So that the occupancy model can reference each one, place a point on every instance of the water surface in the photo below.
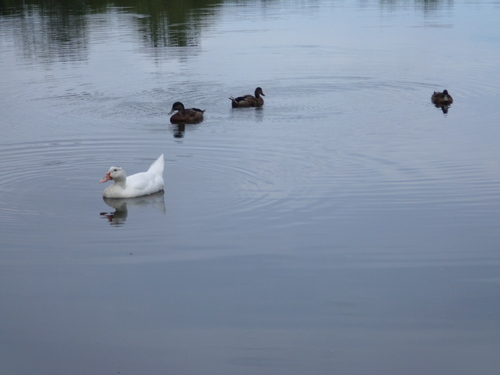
(348, 226)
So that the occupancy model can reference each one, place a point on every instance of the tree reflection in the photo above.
(170, 23)
(58, 30)
(47, 30)
(426, 5)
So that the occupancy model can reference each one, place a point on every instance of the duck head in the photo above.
(114, 173)
(177, 106)
(258, 91)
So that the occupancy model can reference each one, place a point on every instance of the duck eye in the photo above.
(114, 170)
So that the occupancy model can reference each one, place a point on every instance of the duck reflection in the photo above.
(179, 130)
(121, 205)
(238, 114)
(444, 107)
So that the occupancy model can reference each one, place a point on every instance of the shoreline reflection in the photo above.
(50, 30)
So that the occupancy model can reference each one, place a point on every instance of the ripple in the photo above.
(237, 186)
(34, 172)
(234, 170)
(37, 172)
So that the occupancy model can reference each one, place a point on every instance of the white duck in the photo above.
(138, 184)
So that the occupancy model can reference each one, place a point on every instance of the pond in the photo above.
(347, 226)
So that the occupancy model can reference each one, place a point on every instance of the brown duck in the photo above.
(185, 115)
(248, 100)
(442, 98)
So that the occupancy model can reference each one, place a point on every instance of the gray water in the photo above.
(347, 227)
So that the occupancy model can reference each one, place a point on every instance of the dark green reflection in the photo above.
(427, 6)
(50, 29)
(58, 29)
(170, 23)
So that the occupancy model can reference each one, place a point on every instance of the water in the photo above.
(348, 226)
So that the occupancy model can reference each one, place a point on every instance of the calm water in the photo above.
(347, 227)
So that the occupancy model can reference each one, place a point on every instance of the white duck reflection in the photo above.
(121, 206)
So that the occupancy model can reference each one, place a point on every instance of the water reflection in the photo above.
(239, 114)
(427, 6)
(171, 23)
(443, 107)
(179, 130)
(119, 216)
(48, 32)
(59, 31)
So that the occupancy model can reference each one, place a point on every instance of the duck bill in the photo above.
(172, 111)
(106, 178)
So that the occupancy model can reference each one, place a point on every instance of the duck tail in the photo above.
(158, 166)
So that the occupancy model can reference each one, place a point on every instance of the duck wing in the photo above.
(245, 99)
(149, 182)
